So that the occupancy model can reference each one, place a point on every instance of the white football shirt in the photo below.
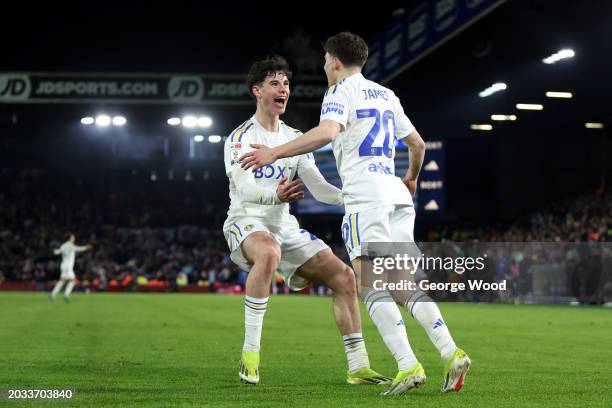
(267, 177)
(372, 120)
(68, 251)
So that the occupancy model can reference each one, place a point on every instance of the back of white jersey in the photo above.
(373, 120)
(68, 251)
(267, 177)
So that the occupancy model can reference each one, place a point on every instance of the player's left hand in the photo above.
(258, 158)
(288, 192)
(411, 184)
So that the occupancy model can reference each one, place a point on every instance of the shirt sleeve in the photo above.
(244, 180)
(403, 126)
(78, 248)
(249, 190)
(335, 105)
(60, 250)
(315, 182)
(305, 163)
(231, 153)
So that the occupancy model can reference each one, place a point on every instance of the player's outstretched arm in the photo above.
(81, 248)
(310, 141)
(416, 151)
(321, 190)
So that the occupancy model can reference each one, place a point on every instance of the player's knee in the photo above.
(269, 257)
(345, 282)
(349, 276)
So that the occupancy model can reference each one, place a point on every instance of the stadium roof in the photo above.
(439, 92)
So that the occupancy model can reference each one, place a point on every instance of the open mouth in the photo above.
(280, 102)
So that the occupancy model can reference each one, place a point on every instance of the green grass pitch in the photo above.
(182, 350)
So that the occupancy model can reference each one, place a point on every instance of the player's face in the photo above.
(330, 69)
(274, 93)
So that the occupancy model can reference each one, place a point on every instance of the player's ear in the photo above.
(256, 91)
(337, 63)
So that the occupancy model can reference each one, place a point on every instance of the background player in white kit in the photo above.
(263, 237)
(68, 251)
(363, 120)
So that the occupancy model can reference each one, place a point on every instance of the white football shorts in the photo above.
(389, 223)
(297, 247)
(67, 273)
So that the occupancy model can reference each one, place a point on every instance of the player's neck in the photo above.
(269, 122)
(345, 73)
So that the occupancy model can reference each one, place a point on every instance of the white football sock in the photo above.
(388, 320)
(57, 288)
(69, 288)
(354, 346)
(254, 310)
(427, 313)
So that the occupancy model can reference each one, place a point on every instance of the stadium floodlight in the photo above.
(529, 106)
(119, 120)
(594, 125)
(554, 94)
(174, 121)
(103, 120)
(198, 138)
(496, 87)
(190, 121)
(214, 138)
(485, 126)
(87, 120)
(558, 56)
(503, 117)
(204, 121)
(153, 176)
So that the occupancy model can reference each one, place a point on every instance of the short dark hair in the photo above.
(261, 69)
(68, 235)
(350, 48)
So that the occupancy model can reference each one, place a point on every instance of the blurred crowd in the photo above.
(586, 218)
(173, 239)
(137, 234)
(559, 253)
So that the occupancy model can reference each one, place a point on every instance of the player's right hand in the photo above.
(288, 192)
(88, 247)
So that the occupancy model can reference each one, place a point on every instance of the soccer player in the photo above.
(68, 251)
(263, 237)
(363, 120)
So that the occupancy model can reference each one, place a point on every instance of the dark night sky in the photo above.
(190, 36)
(179, 36)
